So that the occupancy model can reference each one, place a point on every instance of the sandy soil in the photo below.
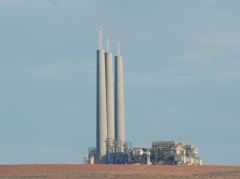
(72, 171)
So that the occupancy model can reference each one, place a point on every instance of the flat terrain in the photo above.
(72, 171)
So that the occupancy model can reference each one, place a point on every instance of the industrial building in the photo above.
(111, 146)
(174, 153)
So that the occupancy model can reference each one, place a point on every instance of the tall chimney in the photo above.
(119, 99)
(101, 104)
(110, 92)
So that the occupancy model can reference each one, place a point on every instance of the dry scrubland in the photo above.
(118, 171)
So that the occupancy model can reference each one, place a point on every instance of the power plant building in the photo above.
(111, 145)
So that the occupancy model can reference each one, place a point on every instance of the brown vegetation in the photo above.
(118, 171)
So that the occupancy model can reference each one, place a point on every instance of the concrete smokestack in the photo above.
(110, 92)
(101, 104)
(119, 99)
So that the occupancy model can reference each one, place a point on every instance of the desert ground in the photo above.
(74, 171)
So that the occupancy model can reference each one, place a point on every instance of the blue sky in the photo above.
(181, 69)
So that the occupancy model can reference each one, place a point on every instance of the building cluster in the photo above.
(161, 153)
(111, 147)
(174, 153)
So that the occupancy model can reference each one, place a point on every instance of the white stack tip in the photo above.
(100, 39)
(119, 49)
(108, 43)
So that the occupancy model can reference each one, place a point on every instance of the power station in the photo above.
(111, 146)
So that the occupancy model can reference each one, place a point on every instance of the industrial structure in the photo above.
(174, 153)
(111, 146)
